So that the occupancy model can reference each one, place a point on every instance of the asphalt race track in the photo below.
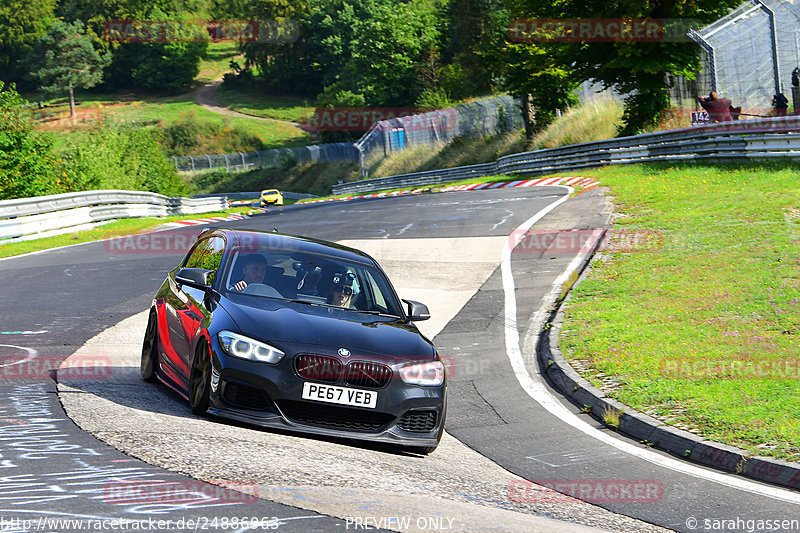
(54, 302)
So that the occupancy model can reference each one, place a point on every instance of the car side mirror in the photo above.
(194, 277)
(417, 311)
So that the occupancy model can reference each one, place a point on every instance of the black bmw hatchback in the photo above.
(295, 333)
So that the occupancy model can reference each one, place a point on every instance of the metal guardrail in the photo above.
(730, 141)
(243, 161)
(44, 216)
(254, 195)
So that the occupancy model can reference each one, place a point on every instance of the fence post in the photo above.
(192, 160)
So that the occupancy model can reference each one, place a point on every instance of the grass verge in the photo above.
(258, 104)
(700, 326)
(112, 229)
(218, 61)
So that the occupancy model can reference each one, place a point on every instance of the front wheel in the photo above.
(200, 381)
(149, 361)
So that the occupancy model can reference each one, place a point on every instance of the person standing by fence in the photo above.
(718, 109)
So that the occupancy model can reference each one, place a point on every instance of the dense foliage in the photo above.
(633, 67)
(27, 165)
(112, 157)
(121, 157)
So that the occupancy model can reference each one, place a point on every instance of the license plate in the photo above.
(340, 395)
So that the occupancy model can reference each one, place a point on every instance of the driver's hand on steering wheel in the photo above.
(240, 286)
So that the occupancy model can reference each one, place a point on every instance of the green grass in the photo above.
(701, 326)
(217, 61)
(595, 121)
(162, 111)
(259, 104)
(459, 152)
(112, 229)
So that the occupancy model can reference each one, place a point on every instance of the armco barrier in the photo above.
(254, 195)
(729, 141)
(43, 216)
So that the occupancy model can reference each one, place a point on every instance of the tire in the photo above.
(200, 381)
(149, 362)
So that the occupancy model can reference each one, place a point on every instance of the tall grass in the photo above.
(593, 121)
(461, 151)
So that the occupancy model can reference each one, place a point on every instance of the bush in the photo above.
(120, 157)
(189, 135)
(27, 165)
(433, 99)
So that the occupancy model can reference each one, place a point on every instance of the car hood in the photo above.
(301, 324)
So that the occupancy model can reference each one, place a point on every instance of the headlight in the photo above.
(428, 374)
(246, 348)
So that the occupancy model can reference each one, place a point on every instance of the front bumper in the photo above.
(271, 396)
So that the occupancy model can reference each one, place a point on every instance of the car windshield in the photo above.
(309, 278)
(270, 191)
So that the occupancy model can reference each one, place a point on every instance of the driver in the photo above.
(341, 290)
(254, 270)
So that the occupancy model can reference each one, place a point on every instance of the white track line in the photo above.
(537, 390)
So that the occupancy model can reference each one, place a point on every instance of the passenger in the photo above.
(254, 270)
(341, 290)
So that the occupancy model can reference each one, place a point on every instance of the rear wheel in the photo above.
(149, 362)
(200, 381)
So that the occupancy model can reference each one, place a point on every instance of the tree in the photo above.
(22, 22)
(474, 29)
(633, 67)
(64, 59)
(27, 166)
(376, 48)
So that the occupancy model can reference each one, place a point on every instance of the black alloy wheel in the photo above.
(149, 361)
(200, 380)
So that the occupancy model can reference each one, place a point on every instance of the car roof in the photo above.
(269, 239)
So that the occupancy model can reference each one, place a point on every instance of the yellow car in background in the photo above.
(271, 197)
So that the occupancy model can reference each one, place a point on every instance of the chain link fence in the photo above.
(750, 53)
(241, 161)
(479, 118)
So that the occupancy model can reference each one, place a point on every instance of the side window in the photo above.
(207, 254)
(376, 291)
